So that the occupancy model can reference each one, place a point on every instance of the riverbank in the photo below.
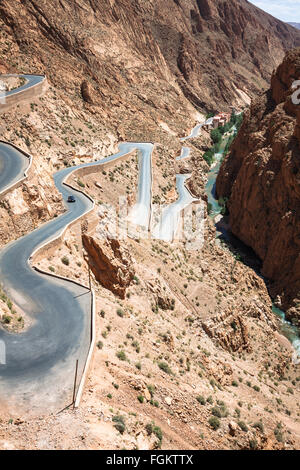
(223, 232)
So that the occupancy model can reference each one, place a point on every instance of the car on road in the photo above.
(71, 199)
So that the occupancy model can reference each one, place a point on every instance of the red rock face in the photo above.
(261, 178)
(209, 48)
(110, 262)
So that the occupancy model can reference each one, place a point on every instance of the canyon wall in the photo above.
(261, 179)
(213, 51)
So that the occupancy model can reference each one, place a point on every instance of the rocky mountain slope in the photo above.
(182, 337)
(261, 179)
(295, 25)
(214, 51)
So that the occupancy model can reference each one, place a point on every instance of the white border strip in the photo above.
(21, 180)
(90, 353)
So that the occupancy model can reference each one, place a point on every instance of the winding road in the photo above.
(40, 361)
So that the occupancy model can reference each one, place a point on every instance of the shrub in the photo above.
(220, 411)
(278, 432)
(99, 345)
(121, 355)
(259, 425)
(6, 319)
(154, 403)
(80, 183)
(243, 426)
(65, 260)
(149, 428)
(253, 444)
(158, 433)
(209, 156)
(140, 398)
(119, 423)
(214, 422)
(120, 312)
(216, 136)
(201, 400)
(216, 412)
(151, 389)
(152, 428)
(135, 344)
(165, 367)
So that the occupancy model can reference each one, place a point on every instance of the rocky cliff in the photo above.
(110, 262)
(178, 333)
(261, 178)
(214, 51)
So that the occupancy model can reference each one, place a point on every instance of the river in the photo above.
(223, 232)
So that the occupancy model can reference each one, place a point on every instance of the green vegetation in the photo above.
(253, 444)
(216, 135)
(209, 156)
(151, 389)
(217, 138)
(6, 319)
(119, 421)
(120, 312)
(80, 183)
(65, 260)
(214, 422)
(223, 203)
(7, 300)
(209, 208)
(243, 426)
(121, 355)
(151, 428)
(165, 367)
(237, 120)
(220, 411)
(200, 399)
(259, 425)
(278, 432)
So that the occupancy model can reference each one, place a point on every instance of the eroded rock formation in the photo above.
(261, 178)
(110, 262)
(209, 48)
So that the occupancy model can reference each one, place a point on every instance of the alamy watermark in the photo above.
(2, 92)
(296, 94)
(2, 352)
(168, 223)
